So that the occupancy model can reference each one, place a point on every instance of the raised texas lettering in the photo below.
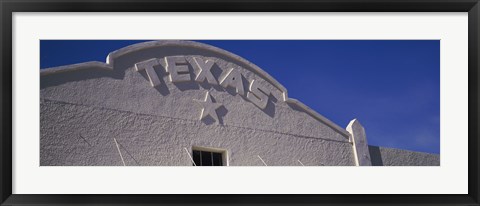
(148, 66)
(202, 69)
(233, 78)
(258, 94)
(178, 68)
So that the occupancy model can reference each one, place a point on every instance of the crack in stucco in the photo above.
(195, 122)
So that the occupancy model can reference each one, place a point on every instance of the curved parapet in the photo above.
(190, 44)
(255, 87)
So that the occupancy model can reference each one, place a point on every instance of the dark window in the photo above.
(196, 157)
(204, 158)
(217, 159)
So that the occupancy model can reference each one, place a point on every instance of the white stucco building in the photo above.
(182, 103)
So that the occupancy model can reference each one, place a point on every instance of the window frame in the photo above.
(224, 152)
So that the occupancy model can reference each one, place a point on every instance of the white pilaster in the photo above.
(359, 140)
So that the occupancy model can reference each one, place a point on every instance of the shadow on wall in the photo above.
(162, 88)
(375, 155)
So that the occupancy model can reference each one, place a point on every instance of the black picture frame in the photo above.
(7, 8)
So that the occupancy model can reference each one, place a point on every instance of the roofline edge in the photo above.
(160, 43)
(74, 67)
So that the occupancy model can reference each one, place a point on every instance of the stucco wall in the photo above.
(83, 135)
(382, 156)
(83, 110)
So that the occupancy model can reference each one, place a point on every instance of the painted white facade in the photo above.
(154, 103)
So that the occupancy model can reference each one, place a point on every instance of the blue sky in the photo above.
(391, 86)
